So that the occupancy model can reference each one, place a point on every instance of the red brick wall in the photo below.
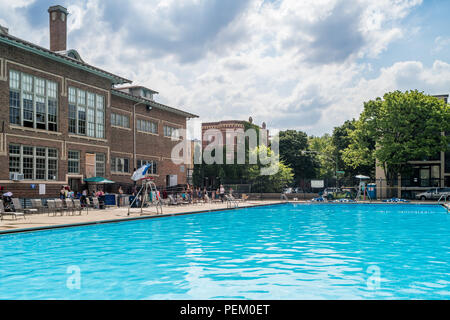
(117, 142)
(148, 146)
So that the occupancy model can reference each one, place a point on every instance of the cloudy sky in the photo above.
(306, 65)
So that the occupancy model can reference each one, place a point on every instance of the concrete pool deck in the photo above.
(35, 222)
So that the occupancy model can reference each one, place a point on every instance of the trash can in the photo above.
(372, 191)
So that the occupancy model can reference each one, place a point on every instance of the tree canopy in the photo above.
(405, 126)
(292, 143)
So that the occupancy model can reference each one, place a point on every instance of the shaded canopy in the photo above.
(99, 180)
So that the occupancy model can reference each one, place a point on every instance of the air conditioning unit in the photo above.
(15, 176)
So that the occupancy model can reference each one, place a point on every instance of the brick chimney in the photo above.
(58, 28)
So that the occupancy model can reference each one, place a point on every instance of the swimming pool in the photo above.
(291, 251)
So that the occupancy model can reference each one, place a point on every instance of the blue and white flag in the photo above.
(141, 172)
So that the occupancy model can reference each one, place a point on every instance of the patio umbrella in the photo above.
(98, 180)
(361, 177)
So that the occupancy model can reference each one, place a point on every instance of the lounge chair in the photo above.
(12, 213)
(89, 204)
(207, 199)
(244, 197)
(19, 208)
(70, 206)
(37, 204)
(59, 205)
(182, 201)
(172, 201)
(232, 198)
(97, 204)
(77, 206)
(51, 205)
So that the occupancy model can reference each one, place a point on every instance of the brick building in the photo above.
(63, 120)
(227, 128)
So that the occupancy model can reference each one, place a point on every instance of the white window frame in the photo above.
(34, 156)
(48, 92)
(115, 165)
(94, 107)
(153, 168)
(73, 160)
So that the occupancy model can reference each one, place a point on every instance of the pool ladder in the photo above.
(446, 204)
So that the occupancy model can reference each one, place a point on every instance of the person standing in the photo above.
(222, 192)
(62, 193)
(120, 196)
(83, 196)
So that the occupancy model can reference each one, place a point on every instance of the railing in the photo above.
(445, 197)
(231, 203)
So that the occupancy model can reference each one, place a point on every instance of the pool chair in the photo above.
(59, 206)
(244, 197)
(207, 199)
(37, 204)
(70, 207)
(182, 201)
(77, 206)
(172, 201)
(55, 206)
(19, 208)
(12, 213)
(97, 203)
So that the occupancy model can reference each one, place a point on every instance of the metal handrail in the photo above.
(445, 196)
(231, 201)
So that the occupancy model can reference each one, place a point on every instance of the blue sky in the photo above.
(306, 65)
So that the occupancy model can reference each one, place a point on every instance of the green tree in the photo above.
(326, 155)
(292, 143)
(341, 140)
(404, 126)
(282, 174)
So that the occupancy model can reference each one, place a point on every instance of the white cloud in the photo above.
(293, 64)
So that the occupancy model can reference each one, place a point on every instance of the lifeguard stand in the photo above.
(362, 188)
(146, 199)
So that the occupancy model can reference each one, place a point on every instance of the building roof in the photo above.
(152, 103)
(138, 87)
(60, 57)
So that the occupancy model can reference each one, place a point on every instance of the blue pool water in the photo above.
(278, 252)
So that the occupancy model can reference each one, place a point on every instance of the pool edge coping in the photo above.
(91, 223)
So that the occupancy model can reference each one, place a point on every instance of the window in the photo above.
(170, 131)
(74, 161)
(100, 120)
(91, 114)
(147, 126)
(86, 113)
(35, 163)
(120, 120)
(100, 164)
(120, 165)
(152, 169)
(33, 101)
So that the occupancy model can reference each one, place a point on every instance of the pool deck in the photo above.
(36, 222)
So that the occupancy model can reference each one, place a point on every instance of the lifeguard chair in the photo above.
(148, 197)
